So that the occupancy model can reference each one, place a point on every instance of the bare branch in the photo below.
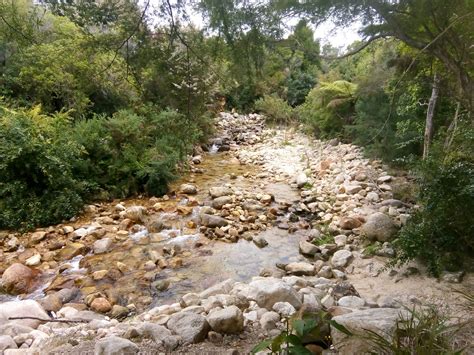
(355, 51)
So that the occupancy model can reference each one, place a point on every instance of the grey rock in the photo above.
(188, 189)
(219, 191)
(24, 308)
(307, 248)
(268, 291)
(284, 309)
(379, 320)
(300, 269)
(192, 327)
(351, 302)
(260, 241)
(379, 227)
(213, 221)
(221, 201)
(228, 320)
(113, 345)
(269, 320)
(341, 258)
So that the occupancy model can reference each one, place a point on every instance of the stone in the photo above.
(24, 308)
(284, 309)
(328, 301)
(113, 345)
(301, 180)
(269, 320)
(102, 246)
(213, 221)
(136, 213)
(352, 189)
(154, 331)
(119, 312)
(192, 327)
(379, 227)
(382, 321)
(51, 302)
(326, 272)
(219, 202)
(340, 240)
(351, 302)
(37, 237)
(372, 196)
(219, 191)
(17, 279)
(300, 269)
(228, 320)
(101, 305)
(190, 299)
(34, 260)
(349, 223)
(268, 291)
(341, 258)
(71, 250)
(188, 189)
(384, 178)
(6, 342)
(223, 287)
(307, 248)
(259, 241)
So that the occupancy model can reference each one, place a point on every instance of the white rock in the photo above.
(269, 320)
(114, 345)
(34, 260)
(284, 309)
(267, 291)
(25, 308)
(351, 302)
(341, 258)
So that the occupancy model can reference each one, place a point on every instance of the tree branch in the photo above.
(351, 53)
(50, 320)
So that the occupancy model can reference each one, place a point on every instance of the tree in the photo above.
(444, 29)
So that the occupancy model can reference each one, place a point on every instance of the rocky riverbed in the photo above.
(266, 222)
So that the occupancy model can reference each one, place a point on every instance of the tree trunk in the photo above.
(452, 128)
(429, 129)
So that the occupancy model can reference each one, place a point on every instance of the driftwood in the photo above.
(50, 320)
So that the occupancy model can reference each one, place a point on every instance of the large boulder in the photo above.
(379, 227)
(228, 320)
(113, 345)
(25, 308)
(6, 342)
(268, 291)
(18, 279)
(382, 321)
(192, 327)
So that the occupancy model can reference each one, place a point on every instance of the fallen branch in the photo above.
(50, 320)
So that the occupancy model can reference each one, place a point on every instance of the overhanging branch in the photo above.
(355, 51)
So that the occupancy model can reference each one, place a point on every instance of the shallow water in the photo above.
(205, 262)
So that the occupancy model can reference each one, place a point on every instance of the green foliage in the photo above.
(302, 329)
(275, 109)
(37, 182)
(328, 107)
(134, 152)
(298, 85)
(441, 233)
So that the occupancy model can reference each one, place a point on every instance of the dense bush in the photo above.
(50, 165)
(130, 153)
(328, 107)
(37, 184)
(275, 109)
(441, 233)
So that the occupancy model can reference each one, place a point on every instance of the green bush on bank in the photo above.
(275, 109)
(50, 166)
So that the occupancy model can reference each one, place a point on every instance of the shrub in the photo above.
(328, 107)
(37, 183)
(131, 152)
(441, 232)
(275, 109)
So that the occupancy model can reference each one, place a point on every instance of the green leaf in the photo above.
(299, 350)
(340, 327)
(293, 339)
(261, 346)
(277, 341)
(304, 326)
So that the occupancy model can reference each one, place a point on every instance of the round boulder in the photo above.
(379, 227)
(18, 279)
